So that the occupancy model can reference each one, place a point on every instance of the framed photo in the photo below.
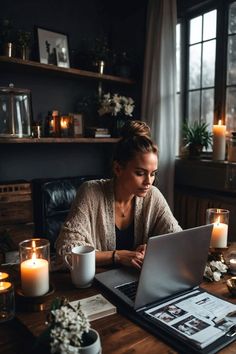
(78, 120)
(53, 48)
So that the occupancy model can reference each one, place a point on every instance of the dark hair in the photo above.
(135, 137)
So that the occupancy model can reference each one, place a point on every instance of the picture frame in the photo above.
(78, 123)
(53, 47)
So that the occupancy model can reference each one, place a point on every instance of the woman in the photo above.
(117, 216)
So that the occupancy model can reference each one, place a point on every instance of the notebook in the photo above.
(173, 263)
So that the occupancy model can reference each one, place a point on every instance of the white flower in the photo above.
(214, 270)
(68, 326)
(116, 104)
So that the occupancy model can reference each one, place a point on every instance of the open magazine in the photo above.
(199, 317)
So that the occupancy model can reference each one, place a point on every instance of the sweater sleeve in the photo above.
(76, 230)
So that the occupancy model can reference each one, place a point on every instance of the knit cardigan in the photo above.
(91, 220)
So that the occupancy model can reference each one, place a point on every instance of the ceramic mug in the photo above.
(81, 262)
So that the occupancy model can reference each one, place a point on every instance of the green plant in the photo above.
(23, 38)
(197, 134)
(7, 33)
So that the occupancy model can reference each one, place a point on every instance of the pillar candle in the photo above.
(35, 277)
(219, 235)
(219, 141)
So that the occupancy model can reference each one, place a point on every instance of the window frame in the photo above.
(222, 7)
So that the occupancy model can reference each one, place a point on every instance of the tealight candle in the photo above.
(219, 141)
(3, 276)
(232, 265)
(34, 267)
(7, 301)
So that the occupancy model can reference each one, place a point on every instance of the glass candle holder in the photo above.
(220, 219)
(34, 266)
(7, 301)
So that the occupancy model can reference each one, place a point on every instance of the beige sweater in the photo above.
(91, 220)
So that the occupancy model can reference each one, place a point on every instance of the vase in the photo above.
(118, 123)
(92, 343)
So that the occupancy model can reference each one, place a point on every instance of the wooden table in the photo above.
(118, 334)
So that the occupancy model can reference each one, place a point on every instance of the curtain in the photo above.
(159, 88)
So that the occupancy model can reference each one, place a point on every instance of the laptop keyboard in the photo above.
(129, 289)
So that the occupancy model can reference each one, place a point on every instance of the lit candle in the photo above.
(4, 285)
(219, 234)
(219, 141)
(232, 265)
(64, 122)
(3, 276)
(34, 275)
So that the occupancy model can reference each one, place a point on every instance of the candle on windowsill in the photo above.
(34, 267)
(219, 141)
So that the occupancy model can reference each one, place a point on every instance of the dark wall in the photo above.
(81, 21)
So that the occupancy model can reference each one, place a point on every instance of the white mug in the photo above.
(81, 263)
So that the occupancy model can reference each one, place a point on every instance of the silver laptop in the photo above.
(173, 263)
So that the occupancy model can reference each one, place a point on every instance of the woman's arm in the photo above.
(122, 257)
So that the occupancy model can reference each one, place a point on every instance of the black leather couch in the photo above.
(52, 199)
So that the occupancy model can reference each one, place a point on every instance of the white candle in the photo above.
(219, 235)
(232, 265)
(219, 141)
(35, 277)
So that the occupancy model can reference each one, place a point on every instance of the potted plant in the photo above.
(23, 43)
(196, 137)
(69, 330)
(7, 38)
(118, 109)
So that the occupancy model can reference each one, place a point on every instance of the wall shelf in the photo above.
(38, 67)
(57, 140)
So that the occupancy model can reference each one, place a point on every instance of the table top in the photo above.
(118, 334)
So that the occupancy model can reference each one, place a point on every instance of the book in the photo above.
(199, 317)
(95, 307)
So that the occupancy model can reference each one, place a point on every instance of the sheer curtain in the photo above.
(159, 88)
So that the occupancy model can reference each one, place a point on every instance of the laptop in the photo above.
(173, 263)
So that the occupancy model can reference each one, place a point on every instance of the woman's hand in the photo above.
(131, 258)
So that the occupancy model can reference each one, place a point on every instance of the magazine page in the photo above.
(200, 317)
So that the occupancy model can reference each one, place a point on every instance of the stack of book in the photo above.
(94, 132)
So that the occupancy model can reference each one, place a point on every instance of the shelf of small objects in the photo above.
(68, 140)
(36, 66)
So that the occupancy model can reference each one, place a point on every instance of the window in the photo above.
(208, 86)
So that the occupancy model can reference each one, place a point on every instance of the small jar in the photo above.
(232, 148)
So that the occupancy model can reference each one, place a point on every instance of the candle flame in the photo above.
(34, 251)
(217, 221)
(220, 122)
(64, 123)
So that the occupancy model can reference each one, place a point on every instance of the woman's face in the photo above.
(137, 176)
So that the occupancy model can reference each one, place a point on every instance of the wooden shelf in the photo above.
(57, 140)
(36, 66)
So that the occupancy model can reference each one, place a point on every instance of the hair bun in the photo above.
(134, 128)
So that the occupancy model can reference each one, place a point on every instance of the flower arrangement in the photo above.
(214, 270)
(115, 104)
(68, 327)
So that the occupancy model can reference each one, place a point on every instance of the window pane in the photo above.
(178, 71)
(207, 114)
(231, 109)
(232, 18)
(208, 63)
(194, 66)
(209, 25)
(193, 106)
(231, 72)
(195, 30)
